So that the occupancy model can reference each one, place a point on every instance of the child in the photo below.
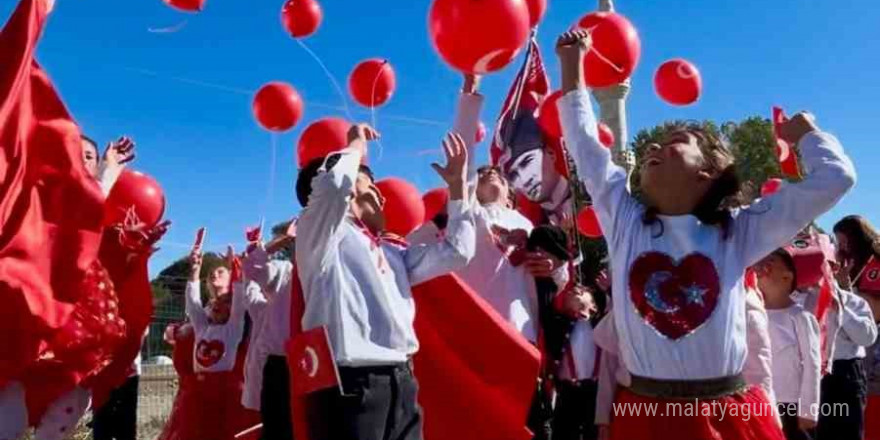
(212, 406)
(794, 339)
(679, 258)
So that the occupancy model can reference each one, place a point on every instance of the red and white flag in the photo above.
(786, 155)
(311, 362)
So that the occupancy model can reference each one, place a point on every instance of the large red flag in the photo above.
(50, 208)
(476, 374)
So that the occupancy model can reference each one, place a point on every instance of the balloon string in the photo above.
(329, 76)
(373, 121)
(605, 60)
(272, 165)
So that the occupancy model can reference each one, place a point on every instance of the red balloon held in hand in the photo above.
(478, 36)
(615, 52)
(435, 202)
(606, 136)
(588, 223)
(301, 18)
(372, 82)
(320, 138)
(537, 8)
(277, 106)
(404, 210)
(481, 133)
(186, 5)
(137, 193)
(548, 115)
(678, 82)
(771, 186)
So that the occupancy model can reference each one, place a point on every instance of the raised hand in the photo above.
(455, 171)
(471, 83)
(195, 264)
(362, 133)
(119, 152)
(793, 129)
(571, 47)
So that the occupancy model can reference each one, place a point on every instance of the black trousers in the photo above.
(575, 414)
(117, 419)
(540, 420)
(275, 400)
(377, 403)
(844, 395)
(787, 412)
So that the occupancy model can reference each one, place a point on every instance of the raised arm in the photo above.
(194, 309)
(467, 124)
(455, 250)
(328, 204)
(773, 221)
(270, 276)
(604, 180)
(857, 320)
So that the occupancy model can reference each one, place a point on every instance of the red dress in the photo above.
(207, 405)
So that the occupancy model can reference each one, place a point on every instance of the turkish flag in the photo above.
(310, 358)
(50, 207)
(869, 282)
(786, 155)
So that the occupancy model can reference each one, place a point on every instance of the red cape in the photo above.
(50, 208)
(476, 374)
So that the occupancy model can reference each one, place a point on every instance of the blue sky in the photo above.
(212, 159)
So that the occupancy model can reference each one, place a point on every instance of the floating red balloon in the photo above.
(277, 106)
(435, 202)
(606, 136)
(615, 52)
(321, 138)
(478, 36)
(481, 133)
(548, 115)
(537, 8)
(678, 82)
(588, 223)
(138, 191)
(771, 186)
(404, 210)
(301, 18)
(372, 82)
(186, 5)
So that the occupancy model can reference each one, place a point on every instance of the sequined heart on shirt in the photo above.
(675, 298)
(209, 353)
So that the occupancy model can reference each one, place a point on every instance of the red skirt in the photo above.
(208, 407)
(872, 418)
(741, 416)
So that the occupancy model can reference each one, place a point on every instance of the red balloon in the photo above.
(771, 186)
(478, 36)
(537, 8)
(186, 5)
(301, 18)
(606, 136)
(372, 82)
(588, 223)
(678, 82)
(277, 106)
(615, 52)
(136, 190)
(548, 115)
(321, 138)
(435, 202)
(481, 133)
(404, 210)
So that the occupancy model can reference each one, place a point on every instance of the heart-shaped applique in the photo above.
(674, 298)
(209, 353)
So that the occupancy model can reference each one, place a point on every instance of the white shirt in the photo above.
(581, 353)
(216, 345)
(851, 325)
(255, 359)
(359, 289)
(794, 339)
(679, 295)
(758, 369)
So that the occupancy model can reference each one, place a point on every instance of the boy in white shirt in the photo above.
(794, 341)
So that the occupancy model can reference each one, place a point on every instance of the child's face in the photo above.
(491, 186)
(368, 203)
(219, 279)
(774, 276)
(673, 167)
